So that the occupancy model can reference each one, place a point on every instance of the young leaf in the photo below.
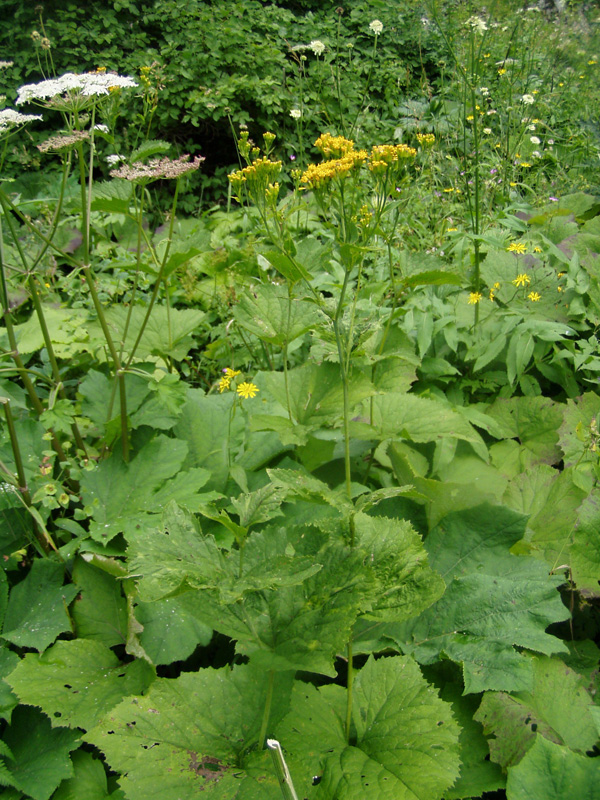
(405, 742)
(77, 682)
(37, 607)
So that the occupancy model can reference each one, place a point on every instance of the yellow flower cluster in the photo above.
(259, 177)
(426, 139)
(334, 146)
(316, 175)
(225, 381)
(245, 390)
(384, 156)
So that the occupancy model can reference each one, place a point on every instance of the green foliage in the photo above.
(319, 465)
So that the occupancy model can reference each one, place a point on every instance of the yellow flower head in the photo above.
(474, 298)
(516, 247)
(534, 297)
(334, 146)
(537, 249)
(522, 280)
(246, 390)
(224, 383)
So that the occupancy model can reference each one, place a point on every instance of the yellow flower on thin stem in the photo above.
(474, 298)
(534, 297)
(516, 247)
(522, 280)
(224, 384)
(246, 390)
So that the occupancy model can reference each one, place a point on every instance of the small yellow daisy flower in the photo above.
(231, 373)
(522, 280)
(534, 297)
(502, 71)
(247, 390)
(474, 298)
(224, 384)
(516, 247)
(537, 249)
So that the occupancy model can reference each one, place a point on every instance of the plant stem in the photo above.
(267, 711)
(282, 771)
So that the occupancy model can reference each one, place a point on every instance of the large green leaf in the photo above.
(195, 736)
(555, 505)
(40, 754)
(493, 601)
(100, 610)
(77, 682)
(171, 631)
(534, 421)
(404, 740)
(419, 419)
(477, 773)
(37, 607)
(406, 584)
(167, 334)
(8, 701)
(274, 317)
(278, 603)
(316, 391)
(552, 772)
(88, 781)
(266, 562)
(558, 707)
(122, 495)
(212, 433)
(584, 555)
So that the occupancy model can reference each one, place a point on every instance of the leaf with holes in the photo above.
(77, 682)
(195, 735)
(37, 607)
(404, 743)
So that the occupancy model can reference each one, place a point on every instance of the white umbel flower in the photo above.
(9, 118)
(528, 99)
(376, 26)
(295, 113)
(89, 84)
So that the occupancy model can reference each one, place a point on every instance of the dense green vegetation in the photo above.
(299, 440)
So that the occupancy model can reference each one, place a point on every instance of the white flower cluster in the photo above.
(295, 113)
(89, 84)
(476, 24)
(376, 26)
(114, 160)
(10, 118)
(528, 99)
(317, 47)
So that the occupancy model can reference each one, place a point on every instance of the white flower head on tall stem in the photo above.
(376, 26)
(71, 90)
(295, 113)
(476, 24)
(317, 47)
(528, 99)
(9, 118)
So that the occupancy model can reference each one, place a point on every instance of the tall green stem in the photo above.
(267, 710)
